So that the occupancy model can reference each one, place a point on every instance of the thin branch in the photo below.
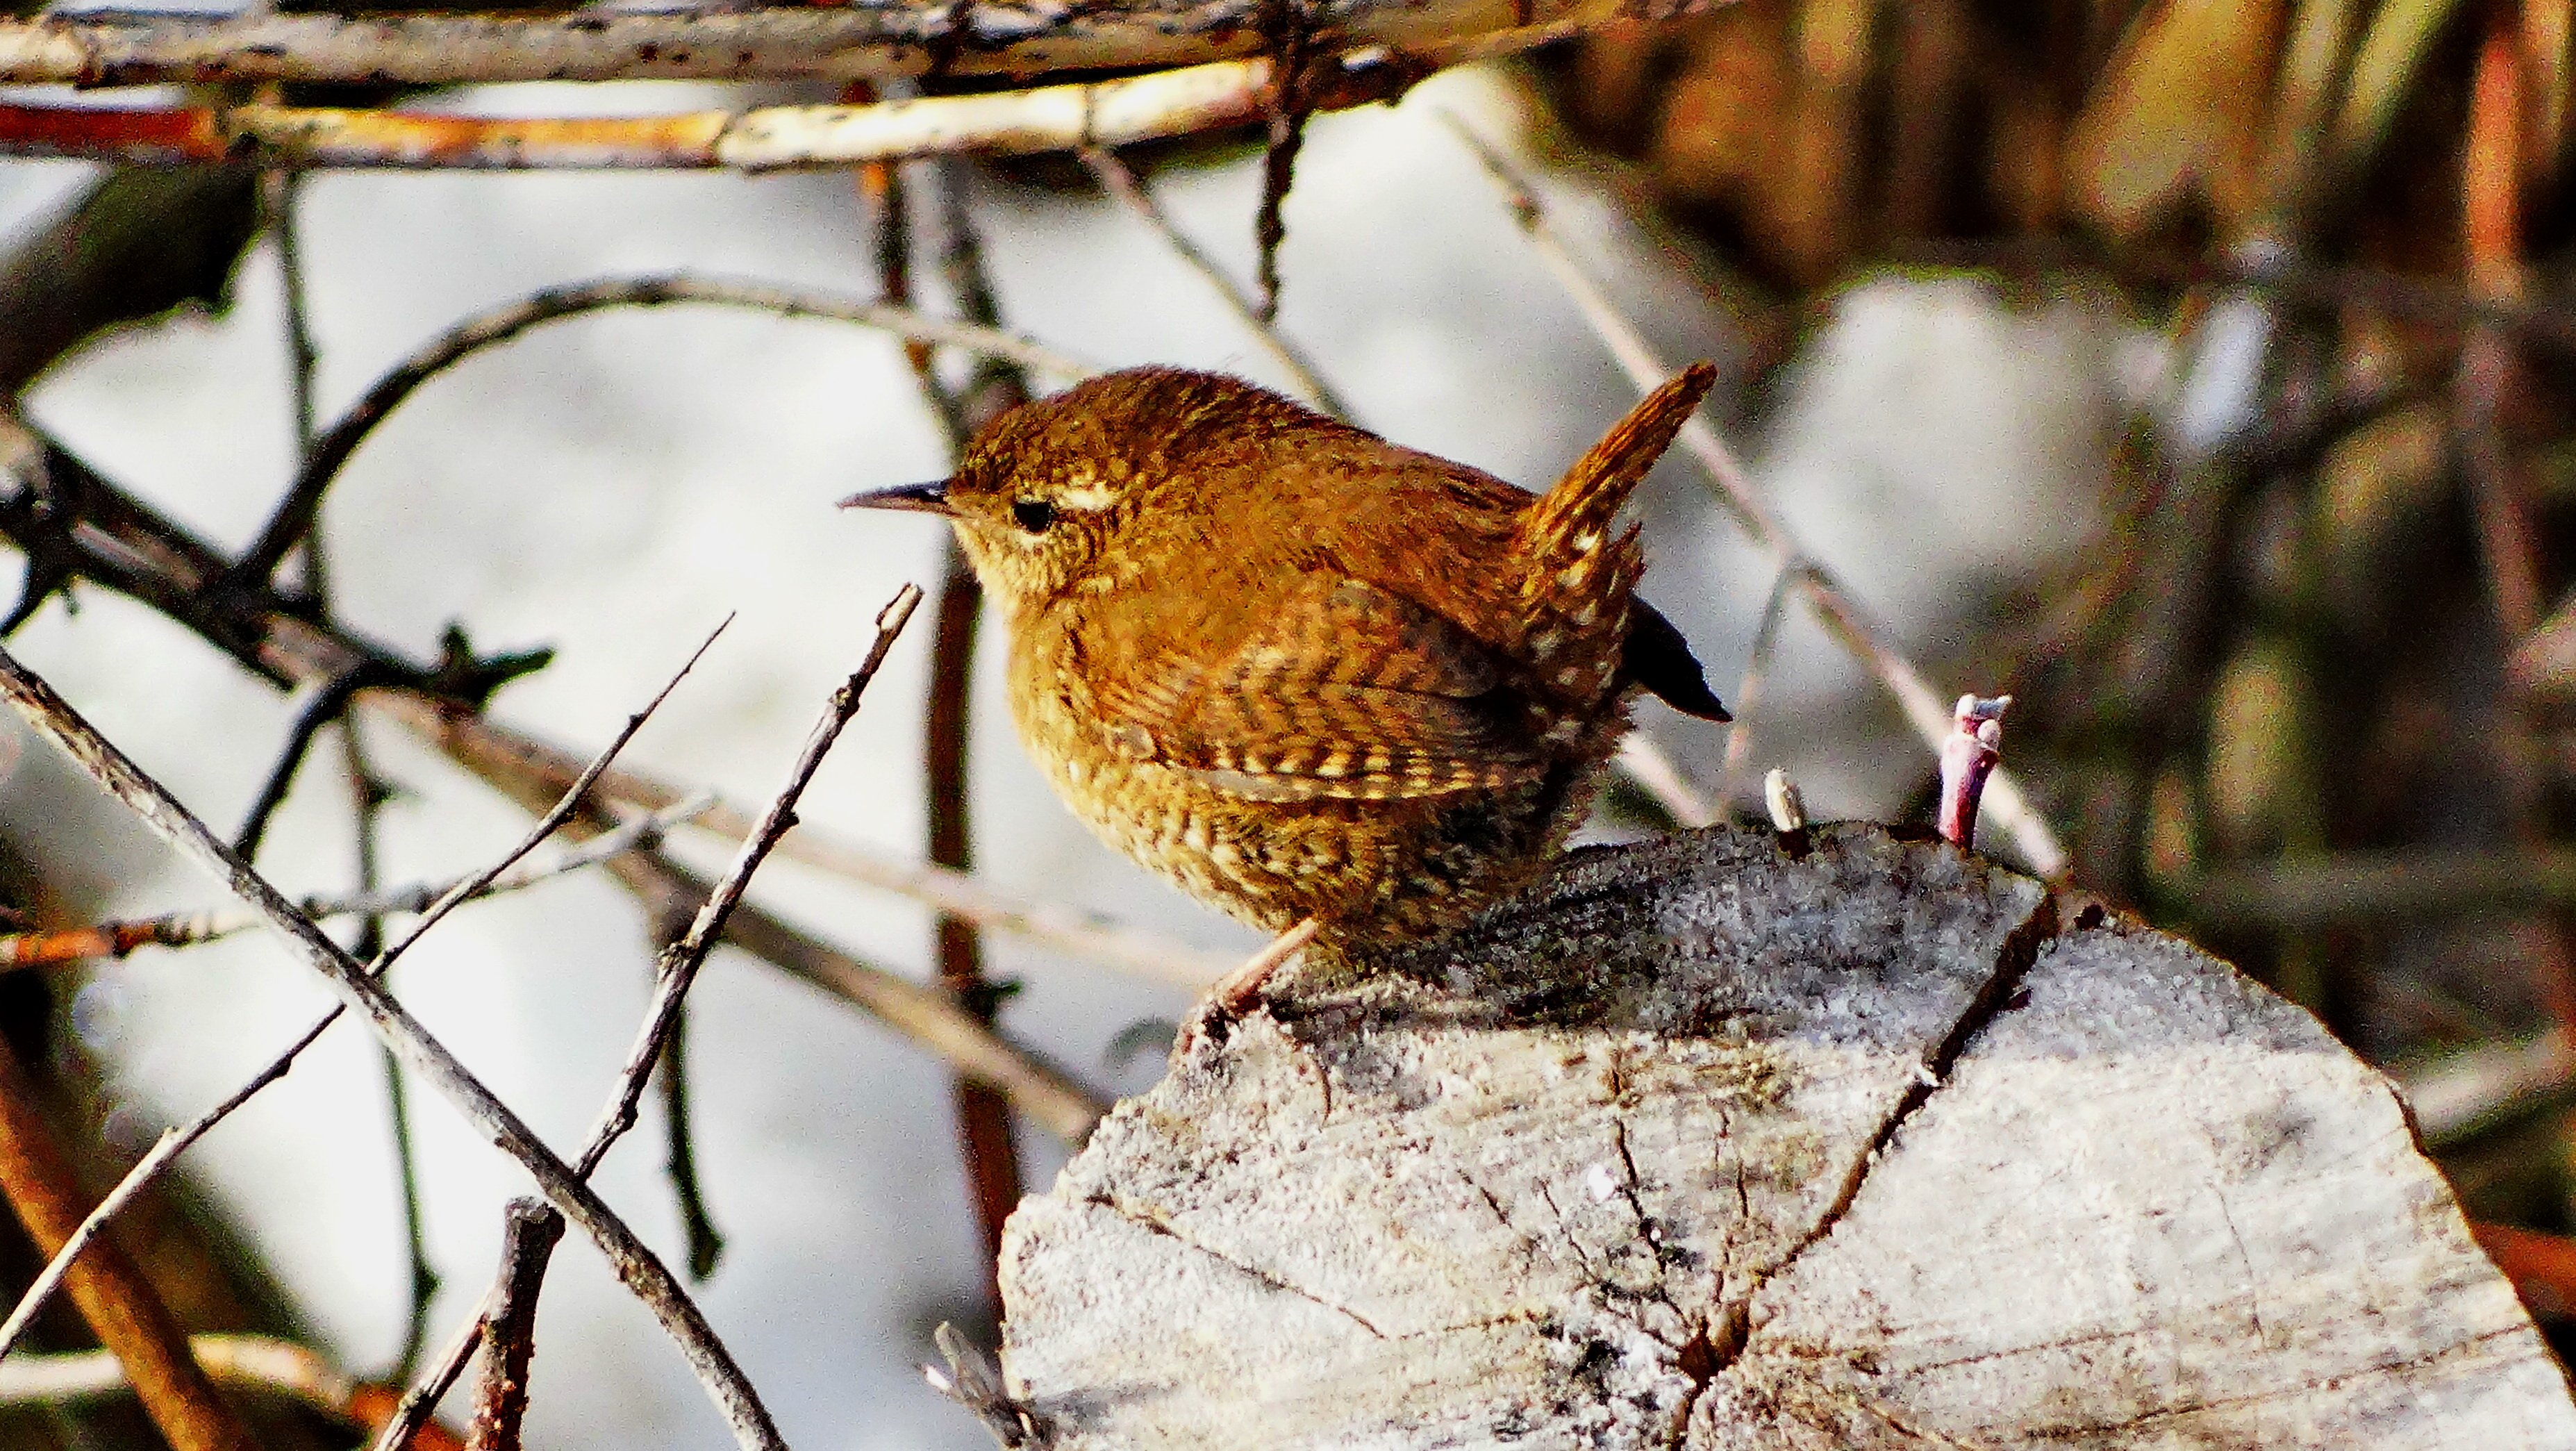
(529, 1233)
(247, 1362)
(1749, 688)
(987, 1140)
(314, 706)
(1285, 138)
(676, 970)
(278, 191)
(294, 515)
(680, 1155)
(368, 794)
(767, 138)
(175, 1142)
(1121, 181)
(190, 929)
(127, 547)
(1647, 764)
(1924, 707)
(113, 1295)
(874, 42)
(635, 1264)
(680, 963)
(2468, 1092)
(1072, 931)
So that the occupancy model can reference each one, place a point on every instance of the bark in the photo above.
(1731, 1140)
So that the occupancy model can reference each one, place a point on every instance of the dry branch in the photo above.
(189, 929)
(528, 1237)
(1735, 1140)
(248, 1362)
(766, 138)
(117, 541)
(879, 41)
(634, 1263)
(531, 773)
(111, 1291)
(510, 1309)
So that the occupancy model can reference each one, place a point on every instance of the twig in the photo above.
(189, 929)
(1968, 759)
(1749, 688)
(278, 191)
(634, 1263)
(293, 517)
(765, 139)
(1645, 763)
(250, 1362)
(680, 1156)
(988, 1142)
(119, 1303)
(1121, 181)
(974, 1382)
(1835, 609)
(528, 1236)
(531, 773)
(175, 1142)
(314, 707)
(858, 43)
(367, 796)
(676, 970)
(1286, 136)
(2464, 1093)
(680, 963)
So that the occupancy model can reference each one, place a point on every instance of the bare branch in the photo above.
(529, 1233)
(635, 1264)
(1149, 107)
(1121, 181)
(675, 972)
(112, 1293)
(190, 929)
(176, 1141)
(872, 42)
(250, 1362)
(293, 517)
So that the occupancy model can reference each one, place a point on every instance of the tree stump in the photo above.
(1735, 1140)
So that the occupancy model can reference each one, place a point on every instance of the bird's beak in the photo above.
(929, 498)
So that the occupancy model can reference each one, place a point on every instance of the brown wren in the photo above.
(1297, 669)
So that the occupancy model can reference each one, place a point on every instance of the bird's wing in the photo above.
(1346, 691)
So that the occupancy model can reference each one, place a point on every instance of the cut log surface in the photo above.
(1725, 1141)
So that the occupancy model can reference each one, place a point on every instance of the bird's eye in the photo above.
(1034, 515)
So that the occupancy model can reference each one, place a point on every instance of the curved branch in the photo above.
(332, 451)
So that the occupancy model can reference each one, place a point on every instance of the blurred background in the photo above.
(2194, 372)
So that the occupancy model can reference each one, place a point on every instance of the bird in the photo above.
(1303, 672)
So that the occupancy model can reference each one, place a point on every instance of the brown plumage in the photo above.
(1300, 670)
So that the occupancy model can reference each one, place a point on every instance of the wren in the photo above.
(1301, 671)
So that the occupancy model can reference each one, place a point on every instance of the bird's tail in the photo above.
(1570, 524)
(1566, 535)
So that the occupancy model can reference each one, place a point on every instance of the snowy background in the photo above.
(613, 486)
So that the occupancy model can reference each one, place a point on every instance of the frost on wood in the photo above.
(1710, 1145)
